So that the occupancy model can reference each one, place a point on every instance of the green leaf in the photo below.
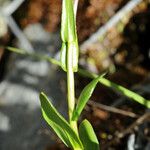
(64, 22)
(124, 91)
(87, 136)
(34, 55)
(16, 50)
(68, 26)
(63, 56)
(73, 47)
(71, 21)
(60, 133)
(84, 97)
(59, 124)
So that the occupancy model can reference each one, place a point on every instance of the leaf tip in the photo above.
(42, 97)
(85, 121)
(41, 94)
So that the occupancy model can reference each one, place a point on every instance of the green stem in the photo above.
(71, 90)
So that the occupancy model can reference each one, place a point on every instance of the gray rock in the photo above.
(4, 2)
(3, 26)
(21, 124)
(35, 32)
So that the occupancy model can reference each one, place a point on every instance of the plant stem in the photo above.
(70, 80)
(71, 92)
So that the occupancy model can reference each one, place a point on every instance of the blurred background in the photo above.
(114, 36)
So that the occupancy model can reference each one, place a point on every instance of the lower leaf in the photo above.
(59, 124)
(87, 136)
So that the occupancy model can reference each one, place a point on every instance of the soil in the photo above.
(91, 14)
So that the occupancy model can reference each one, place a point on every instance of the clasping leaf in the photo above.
(69, 36)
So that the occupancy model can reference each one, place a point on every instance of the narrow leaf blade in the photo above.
(60, 133)
(53, 118)
(16, 50)
(122, 90)
(84, 97)
(87, 136)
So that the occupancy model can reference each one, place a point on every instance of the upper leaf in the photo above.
(16, 50)
(59, 124)
(87, 136)
(84, 97)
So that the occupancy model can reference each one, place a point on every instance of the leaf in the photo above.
(68, 26)
(87, 136)
(59, 124)
(16, 50)
(122, 90)
(126, 92)
(71, 21)
(64, 22)
(84, 97)
(63, 56)
(61, 133)
(74, 53)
